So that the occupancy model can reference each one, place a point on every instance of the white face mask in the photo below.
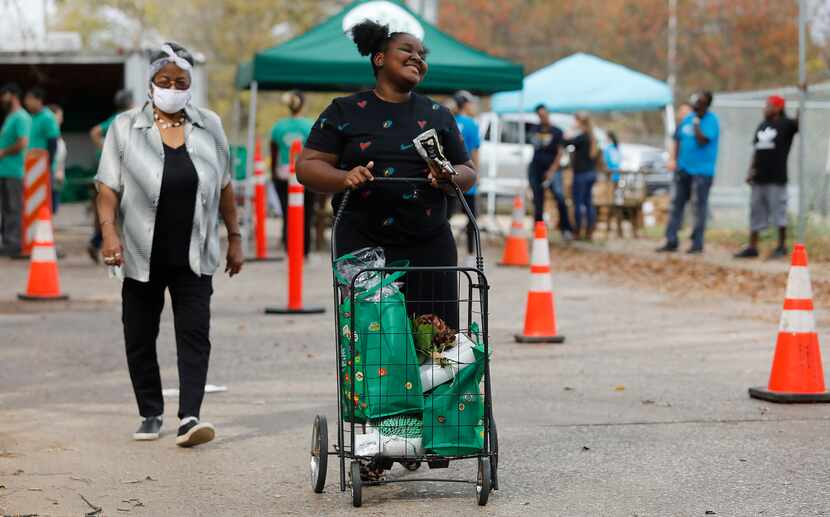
(170, 100)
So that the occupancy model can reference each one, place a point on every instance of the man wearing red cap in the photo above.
(768, 177)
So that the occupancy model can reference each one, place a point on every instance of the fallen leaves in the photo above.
(680, 276)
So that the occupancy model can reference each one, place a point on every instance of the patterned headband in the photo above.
(171, 57)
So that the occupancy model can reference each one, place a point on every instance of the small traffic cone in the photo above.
(797, 374)
(515, 247)
(540, 315)
(44, 282)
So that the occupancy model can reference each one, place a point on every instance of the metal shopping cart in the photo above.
(471, 304)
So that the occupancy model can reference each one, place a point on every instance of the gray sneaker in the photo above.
(779, 252)
(149, 429)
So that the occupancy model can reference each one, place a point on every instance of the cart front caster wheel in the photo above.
(357, 485)
(411, 466)
(483, 482)
(319, 453)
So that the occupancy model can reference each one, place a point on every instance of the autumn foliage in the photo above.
(722, 44)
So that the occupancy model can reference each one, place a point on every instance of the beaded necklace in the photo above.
(163, 124)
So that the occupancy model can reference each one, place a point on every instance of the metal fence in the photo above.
(740, 114)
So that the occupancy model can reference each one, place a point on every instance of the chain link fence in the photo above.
(740, 113)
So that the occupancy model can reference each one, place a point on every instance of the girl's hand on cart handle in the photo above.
(358, 176)
(437, 176)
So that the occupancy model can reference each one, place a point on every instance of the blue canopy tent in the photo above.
(583, 82)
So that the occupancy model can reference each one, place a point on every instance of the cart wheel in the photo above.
(494, 454)
(357, 485)
(483, 481)
(411, 466)
(319, 453)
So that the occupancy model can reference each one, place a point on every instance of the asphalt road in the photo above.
(643, 411)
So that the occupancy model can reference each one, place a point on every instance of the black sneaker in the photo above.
(748, 252)
(149, 429)
(779, 252)
(195, 433)
(668, 248)
(694, 250)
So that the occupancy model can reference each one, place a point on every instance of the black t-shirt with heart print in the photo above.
(361, 128)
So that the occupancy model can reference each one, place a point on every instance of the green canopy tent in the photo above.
(326, 59)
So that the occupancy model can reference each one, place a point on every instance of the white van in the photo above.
(503, 160)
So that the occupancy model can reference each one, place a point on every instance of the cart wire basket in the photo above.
(411, 408)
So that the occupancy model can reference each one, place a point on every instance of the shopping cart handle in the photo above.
(347, 194)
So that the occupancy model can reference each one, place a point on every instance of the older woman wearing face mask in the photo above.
(164, 179)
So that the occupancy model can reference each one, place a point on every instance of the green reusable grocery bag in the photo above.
(387, 378)
(454, 412)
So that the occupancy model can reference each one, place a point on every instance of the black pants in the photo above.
(281, 186)
(455, 206)
(142, 303)
(11, 212)
(426, 292)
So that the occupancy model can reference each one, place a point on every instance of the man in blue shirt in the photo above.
(465, 109)
(695, 154)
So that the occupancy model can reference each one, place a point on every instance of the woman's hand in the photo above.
(235, 256)
(358, 176)
(111, 249)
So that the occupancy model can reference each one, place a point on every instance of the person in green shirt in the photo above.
(123, 101)
(283, 134)
(45, 132)
(14, 138)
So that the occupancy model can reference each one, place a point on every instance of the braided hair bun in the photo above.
(370, 37)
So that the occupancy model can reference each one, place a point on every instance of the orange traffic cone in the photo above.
(797, 374)
(540, 315)
(260, 208)
(44, 283)
(515, 247)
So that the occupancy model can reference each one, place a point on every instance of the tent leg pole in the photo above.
(249, 170)
(670, 125)
(491, 173)
(236, 115)
(522, 143)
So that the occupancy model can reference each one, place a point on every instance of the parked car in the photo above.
(651, 161)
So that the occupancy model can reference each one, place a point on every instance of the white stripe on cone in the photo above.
(798, 283)
(43, 233)
(44, 253)
(292, 179)
(540, 256)
(798, 322)
(295, 199)
(541, 283)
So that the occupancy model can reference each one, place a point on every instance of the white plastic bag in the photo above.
(459, 357)
(373, 443)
